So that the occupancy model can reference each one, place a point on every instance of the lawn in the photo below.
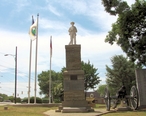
(38, 111)
(127, 113)
(23, 111)
(123, 113)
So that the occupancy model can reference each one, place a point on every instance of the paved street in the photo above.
(5, 103)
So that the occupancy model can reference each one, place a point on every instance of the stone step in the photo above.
(74, 110)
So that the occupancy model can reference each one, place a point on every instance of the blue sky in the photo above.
(92, 23)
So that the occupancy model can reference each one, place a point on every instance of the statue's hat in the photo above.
(72, 23)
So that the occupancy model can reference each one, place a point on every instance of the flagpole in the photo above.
(35, 86)
(30, 66)
(29, 71)
(50, 70)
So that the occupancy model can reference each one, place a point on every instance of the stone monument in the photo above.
(74, 95)
(141, 86)
(73, 82)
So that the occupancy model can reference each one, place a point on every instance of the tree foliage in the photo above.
(3, 97)
(91, 75)
(38, 100)
(56, 83)
(115, 6)
(101, 89)
(129, 31)
(122, 72)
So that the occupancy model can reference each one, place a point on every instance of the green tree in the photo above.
(91, 75)
(122, 72)
(129, 31)
(3, 97)
(12, 98)
(115, 7)
(101, 89)
(38, 100)
(56, 83)
(57, 86)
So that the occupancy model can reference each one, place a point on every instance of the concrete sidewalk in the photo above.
(97, 112)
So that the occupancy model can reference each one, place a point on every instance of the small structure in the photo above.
(5, 107)
(95, 96)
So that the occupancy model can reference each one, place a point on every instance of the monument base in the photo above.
(74, 109)
(123, 109)
(82, 103)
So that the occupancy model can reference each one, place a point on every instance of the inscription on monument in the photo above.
(74, 96)
(73, 59)
(73, 77)
(73, 85)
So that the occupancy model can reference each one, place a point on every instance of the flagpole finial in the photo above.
(32, 18)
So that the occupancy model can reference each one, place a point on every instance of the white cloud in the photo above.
(51, 24)
(21, 4)
(53, 10)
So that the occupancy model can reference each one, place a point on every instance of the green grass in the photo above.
(100, 106)
(127, 113)
(122, 113)
(24, 111)
(38, 111)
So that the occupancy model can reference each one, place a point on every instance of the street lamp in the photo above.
(15, 70)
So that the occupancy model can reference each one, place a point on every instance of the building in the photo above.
(95, 96)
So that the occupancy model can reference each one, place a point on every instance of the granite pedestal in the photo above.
(74, 84)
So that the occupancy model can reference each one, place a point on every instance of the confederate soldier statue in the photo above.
(72, 32)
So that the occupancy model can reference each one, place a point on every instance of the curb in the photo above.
(105, 113)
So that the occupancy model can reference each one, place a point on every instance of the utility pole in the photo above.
(15, 71)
